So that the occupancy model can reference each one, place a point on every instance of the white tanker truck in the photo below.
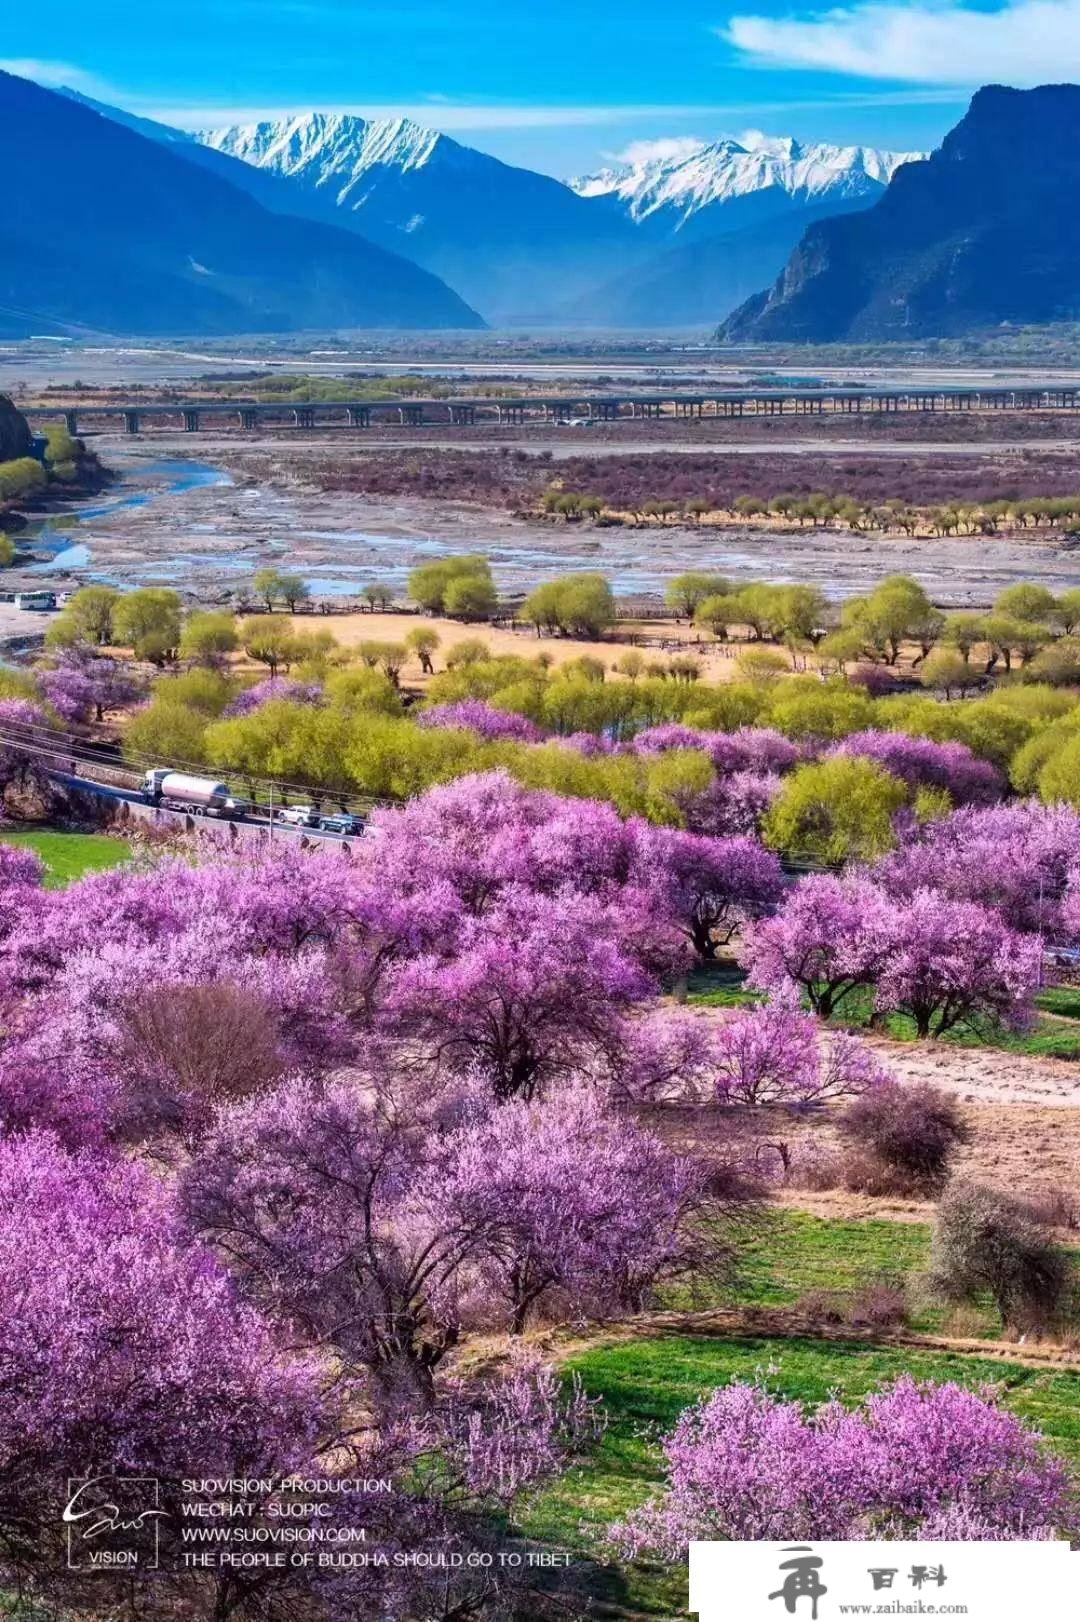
(199, 796)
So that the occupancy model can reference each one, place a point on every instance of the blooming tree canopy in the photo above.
(746, 1465)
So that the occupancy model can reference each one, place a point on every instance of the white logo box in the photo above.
(827, 1582)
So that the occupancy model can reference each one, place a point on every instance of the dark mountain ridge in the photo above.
(106, 230)
(981, 232)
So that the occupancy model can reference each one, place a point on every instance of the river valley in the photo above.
(206, 526)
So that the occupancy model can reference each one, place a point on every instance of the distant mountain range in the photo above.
(672, 240)
(333, 221)
(104, 229)
(979, 233)
(513, 243)
(724, 217)
(706, 190)
(524, 247)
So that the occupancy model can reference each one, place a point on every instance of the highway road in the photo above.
(90, 769)
(250, 827)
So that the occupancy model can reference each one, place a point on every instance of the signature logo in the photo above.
(112, 1523)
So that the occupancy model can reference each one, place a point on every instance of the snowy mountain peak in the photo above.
(678, 179)
(328, 148)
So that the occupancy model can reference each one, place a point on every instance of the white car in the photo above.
(298, 816)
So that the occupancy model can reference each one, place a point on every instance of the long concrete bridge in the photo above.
(201, 415)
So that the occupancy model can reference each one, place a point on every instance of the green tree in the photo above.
(758, 607)
(423, 640)
(1060, 777)
(7, 551)
(428, 583)
(166, 734)
(293, 589)
(1067, 612)
(842, 646)
(266, 583)
(267, 640)
(815, 710)
(470, 651)
(586, 604)
(377, 595)
(802, 611)
(718, 614)
(1026, 602)
(87, 617)
(630, 664)
(835, 810)
(1058, 663)
(207, 637)
(892, 613)
(964, 632)
(762, 665)
(578, 605)
(687, 592)
(1030, 760)
(360, 691)
(946, 671)
(470, 597)
(22, 479)
(60, 447)
(542, 607)
(148, 620)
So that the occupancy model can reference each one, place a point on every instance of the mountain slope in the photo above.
(513, 242)
(979, 233)
(105, 229)
(729, 184)
(691, 283)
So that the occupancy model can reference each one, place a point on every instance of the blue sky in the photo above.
(560, 85)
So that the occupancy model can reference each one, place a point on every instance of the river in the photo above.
(170, 520)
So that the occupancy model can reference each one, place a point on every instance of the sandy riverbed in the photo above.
(209, 538)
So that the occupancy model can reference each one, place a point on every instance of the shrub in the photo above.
(985, 1241)
(911, 1132)
(880, 1304)
(744, 1464)
(1053, 1208)
(836, 810)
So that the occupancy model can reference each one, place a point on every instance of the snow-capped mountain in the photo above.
(512, 242)
(336, 150)
(714, 187)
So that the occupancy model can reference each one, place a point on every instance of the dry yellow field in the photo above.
(655, 640)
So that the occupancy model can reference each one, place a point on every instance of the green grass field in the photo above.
(645, 1385)
(1055, 1034)
(793, 1254)
(67, 856)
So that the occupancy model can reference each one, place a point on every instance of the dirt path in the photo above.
(781, 1323)
(984, 1075)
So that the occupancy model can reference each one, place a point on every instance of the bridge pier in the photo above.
(464, 416)
(360, 416)
(131, 422)
(191, 422)
(249, 419)
(71, 422)
(412, 416)
(304, 417)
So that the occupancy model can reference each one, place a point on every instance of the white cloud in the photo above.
(665, 149)
(52, 74)
(1025, 43)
